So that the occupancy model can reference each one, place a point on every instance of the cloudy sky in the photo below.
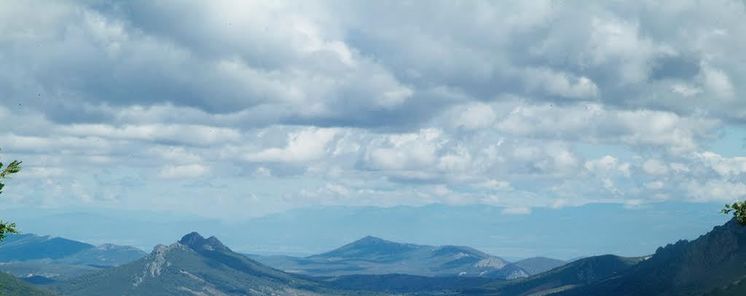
(238, 109)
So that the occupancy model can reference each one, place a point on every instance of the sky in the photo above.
(237, 110)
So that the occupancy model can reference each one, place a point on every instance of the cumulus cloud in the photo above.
(526, 104)
(304, 145)
(183, 171)
(607, 164)
(654, 167)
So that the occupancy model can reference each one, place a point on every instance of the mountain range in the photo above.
(375, 256)
(193, 266)
(712, 265)
(54, 258)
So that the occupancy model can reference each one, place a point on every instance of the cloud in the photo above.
(724, 166)
(516, 211)
(561, 84)
(607, 164)
(183, 171)
(472, 116)
(182, 134)
(523, 105)
(302, 146)
(716, 190)
(654, 167)
(319, 68)
(596, 123)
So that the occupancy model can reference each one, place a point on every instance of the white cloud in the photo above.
(561, 84)
(607, 164)
(517, 211)
(619, 43)
(406, 151)
(716, 190)
(685, 90)
(472, 116)
(522, 105)
(724, 166)
(655, 185)
(302, 146)
(187, 171)
(718, 83)
(596, 123)
(655, 167)
(187, 134)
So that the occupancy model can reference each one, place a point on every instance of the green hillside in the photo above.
(11, 286)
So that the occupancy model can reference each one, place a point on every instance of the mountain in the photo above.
(581, 272)
(313, 230)
(713, 264)
(375, 256)
(11, 286)
(106, 255)
(537, 265)
(29, 247)
(23, 247)
(55, 258)
(193, 266)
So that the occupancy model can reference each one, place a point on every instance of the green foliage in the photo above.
(738, 209)
(11, 286)
(5, 172)
(6, 228)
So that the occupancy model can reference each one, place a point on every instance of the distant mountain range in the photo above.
(193, 266)
(376, 256)
(712, 265)
(55, 258)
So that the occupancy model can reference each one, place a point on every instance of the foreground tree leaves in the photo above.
(5, 172)
(738, 209)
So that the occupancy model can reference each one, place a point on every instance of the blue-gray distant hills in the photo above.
(54, 258)
(712, 265)
(194, 266)
(376, 256)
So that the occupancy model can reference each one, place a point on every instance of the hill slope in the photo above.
(55, 258)
(193, 266)
(577, 273)
(23, 247)
(537, 265)
(11, 286)
(375, 256)
(714, 263)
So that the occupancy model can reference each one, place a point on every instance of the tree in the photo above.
(5, 172)
(738, 209)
